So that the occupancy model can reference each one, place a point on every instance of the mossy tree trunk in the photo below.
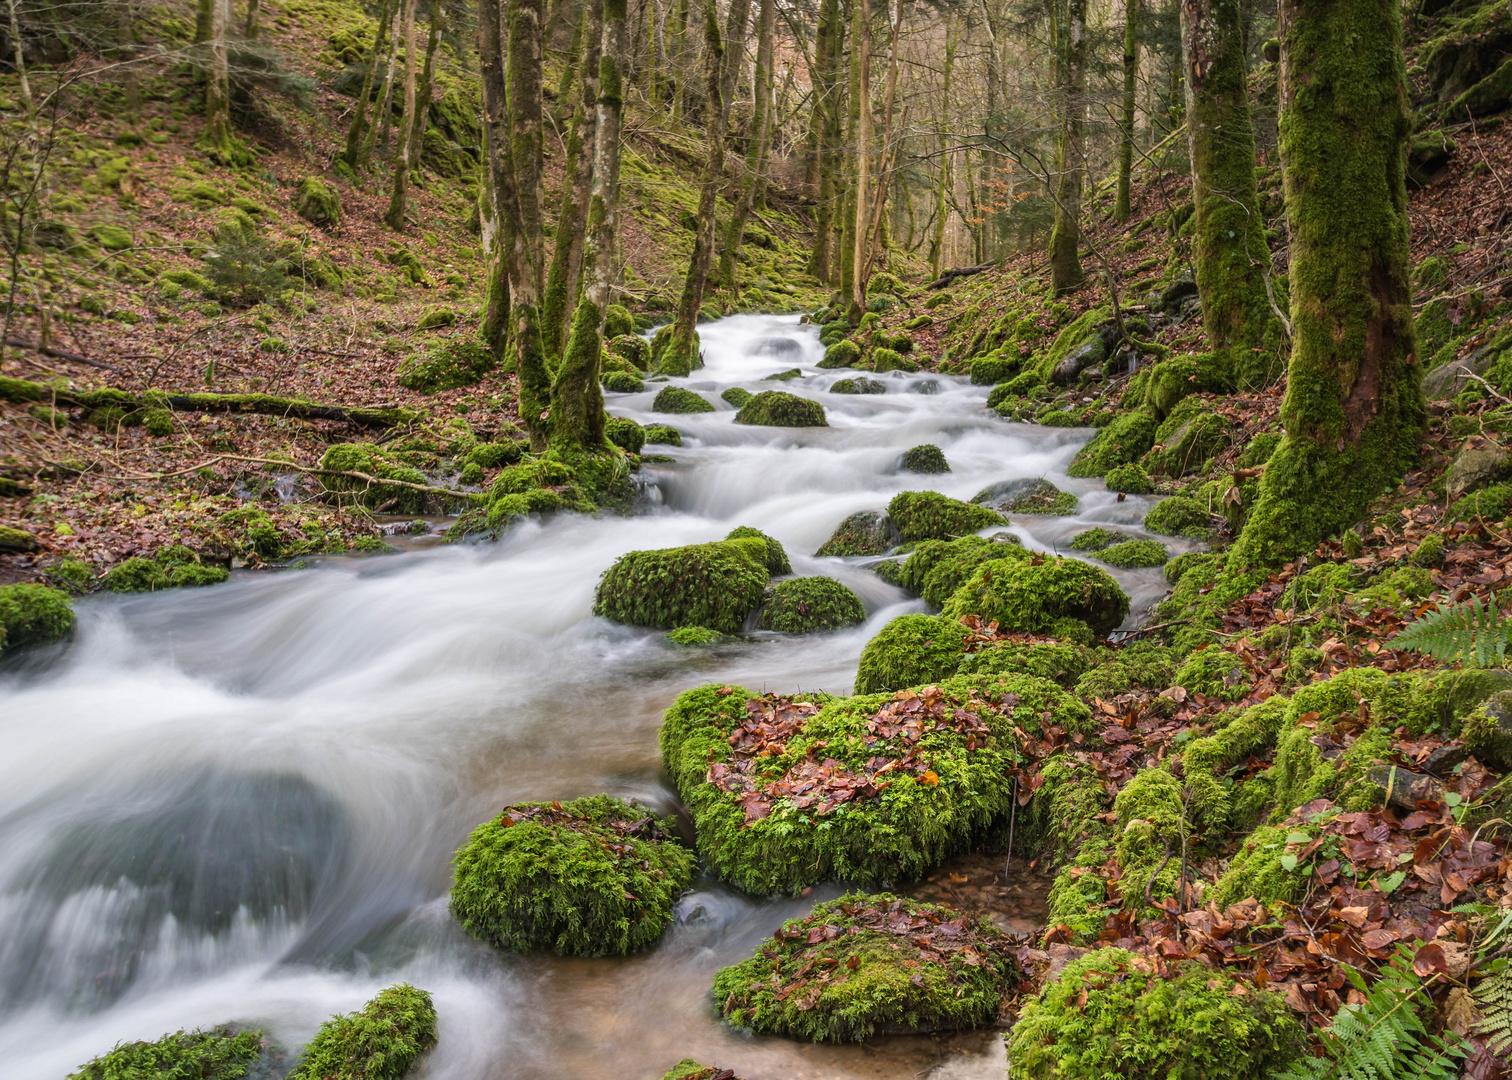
(218, 140)
(1065, 235)
(945, 181)
(352, 153)
(251, 27)
(827, 51)
(846, 187)
(204, 12)
(577, 400)
(756, 155)
(860, 229)
(427, 83)
(1354, 401)
(1122, 208)
(567, 252)
(378, 135)
(681, 356)
(498, 181)
(1231, 254)
(398, 195)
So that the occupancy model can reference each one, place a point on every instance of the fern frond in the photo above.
(1494, 999)
(1470, 632)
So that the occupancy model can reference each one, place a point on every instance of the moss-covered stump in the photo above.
(928, 515)
(33, 615)
(804, 605)
(926, 458)
(871, 532)
(364, 458)
(776, 555)
(778, 408)
(866, 965)
(1180, 516)
(219, 1054)
(1027, 497)
(1133, 554)
(714, 585)
(379, 1042)
(937, 568)
(910, 651)
(1110, 1015)
(171, 568)
(452, 364)
(1039, 595)
(788, 792)
(593, 877)
(674, 399)
(1125, 440)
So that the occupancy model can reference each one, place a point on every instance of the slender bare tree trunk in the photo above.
(942, 211)
(250, 27)
(353, 149)
(378, 137)
(498, 180)
(860, 234)
(1065, 237)
(1121, 206)
(755, 163)
(427, 84)
(395, 216)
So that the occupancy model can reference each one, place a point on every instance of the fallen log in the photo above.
(947, 276)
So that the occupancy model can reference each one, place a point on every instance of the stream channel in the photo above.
(239, 803)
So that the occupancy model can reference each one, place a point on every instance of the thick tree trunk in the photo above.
(353, 150)
(577, 401)
(681, 355)
(394, 219)
(498, 180)
(378, 132)
(1231, 254)
(827, 115)
(567, 252)
(1354, 401)
(853, 253)
(1122, 208)
(1065, 237)
(756, 156)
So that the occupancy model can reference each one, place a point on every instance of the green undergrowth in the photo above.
(171, 568)
(219, 1054)
(379, 1042)
(33, 614)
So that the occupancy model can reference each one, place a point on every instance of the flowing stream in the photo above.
(239, 804)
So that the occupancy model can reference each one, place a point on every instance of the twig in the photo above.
(59, 354)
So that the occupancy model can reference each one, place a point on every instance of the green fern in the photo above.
(1384, 1038)
(1471, 633)
(1494, 997)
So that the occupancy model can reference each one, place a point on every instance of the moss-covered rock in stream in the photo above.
(33, 615)
(1127, 439)
(625, 434)
(842, 354)
(736, 396)
(871, 532)
(1038, 496)
(713, 585)
(381, 1041)
(792, 791)
(928, 515)
(692, 1069)
(864, 965)
(1133, 554)
(910, 651)
(776, 556)
(1038, 595)
(1130, 479)
(218, 1054)
(663, 434)
(365, 458)
(860, 385)
(1098, 538)
(593, 877)
(778, 408)
(1109, 1014)
(804, 605)
(171, 568)
(675, 399)
(935, 569)
(925, 458)
(1180, 516)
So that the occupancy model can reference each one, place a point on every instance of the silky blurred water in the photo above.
(239, 804)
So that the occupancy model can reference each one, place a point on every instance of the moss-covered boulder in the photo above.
(625, 434)
(632, 348)
(871, 532)
(675, 399)
(693, 1069)
(1128, 438)
(925, 458)
(593, 877)
(1038, 496)
(910, 651)
(714, 585)
(868, 965)
(935, 569)
(617, 322)
(1037, 595)
(381, 1041)
(317, 203)
(792, 791)
(804, 605)
(1109, 1014)
(928, 515)
(1096, 539)
(842, 354)
(344, 459)
(993, 368)
(1186, 439)
(736, 396)
(663, 434)
(1133, 554)
(776, 555)
(1131, 479)
(861, 385)
(1179, 516)
(218, 1054)
(777, 408)
(171, 568)
(447, 366)
(33, 615)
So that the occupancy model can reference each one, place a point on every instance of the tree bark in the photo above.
(827, 115)
(427, 85)
(250, 27)
(218, 140)
(567, 254)
(1065, 237)
(577, 400)
(861, 109)
(681, 355)
(943, 185)
(204, 12)
(378, 133)
(1122, 207)
(1354, 402)
(1231, 253)
(498, 180)
(756, 155)
(394, 219)
(353, 150)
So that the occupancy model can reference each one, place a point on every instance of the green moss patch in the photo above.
(804, 605)
(596, 876)
(674, 399)
(842, 354)
(937, 568)
(317, 203)
(859, 386)
(1127, 439)
(712, 585)
(910, 651)
(663, 434)
(1130, 479)
(1133, 554)
(379, 1042)
(927, 458)
(790, 791)
(777, 408)
(171, 568)
(219, 1054)
(736, 396)
(1179, 516)
(776, 556)
(928, 515)
(1035, 497)
(865, 965)
(1036, 595)
(1097, 539)
(364, 458)
(452, 364)
(871, 532)
(33, 615)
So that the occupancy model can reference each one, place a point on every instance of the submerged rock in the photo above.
(804, 605)
(871, 532)
(867, 965)
(593, 877)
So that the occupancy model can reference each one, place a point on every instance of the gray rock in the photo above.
(1088, 354)
(1177, 291)
(1447, 380)
(1477, 466)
